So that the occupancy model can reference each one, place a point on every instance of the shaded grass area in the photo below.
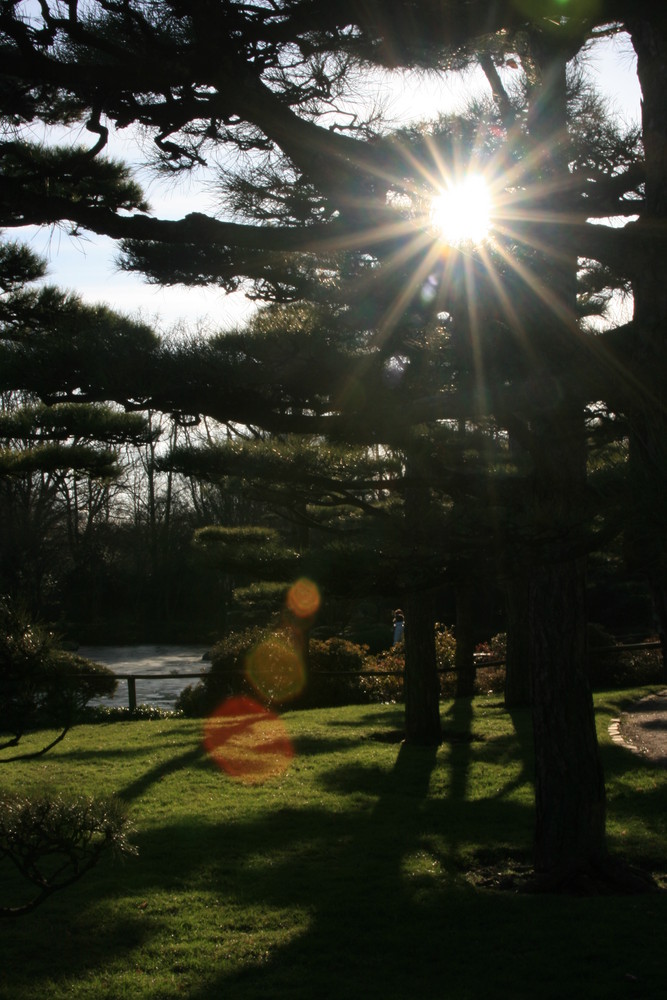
(363, 870)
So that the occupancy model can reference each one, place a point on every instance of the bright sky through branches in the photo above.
(86, 264)
(461, 212)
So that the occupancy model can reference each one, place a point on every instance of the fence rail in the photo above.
(480, 661)
(133, 678)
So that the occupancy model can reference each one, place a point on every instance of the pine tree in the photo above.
(342, 193)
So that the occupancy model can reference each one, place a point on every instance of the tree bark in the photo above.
(422, 690)
(569, 786)
(518, 681)
(464, 657)
(648, 420)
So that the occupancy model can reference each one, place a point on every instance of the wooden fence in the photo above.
(480, 661)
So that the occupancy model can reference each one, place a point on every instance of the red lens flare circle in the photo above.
(303, 598)
(247, 741)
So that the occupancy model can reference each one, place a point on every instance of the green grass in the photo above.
(356, 873)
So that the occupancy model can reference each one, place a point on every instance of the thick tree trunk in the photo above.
(464, 659)
(569, 785)
(646, 531)
(658, 586)
(422, 690)
(518, 681)
(648, 454)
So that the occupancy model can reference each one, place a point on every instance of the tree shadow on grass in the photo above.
(311, 744)
(382, 908)
(458, 720)
(166, 767)
(520, 745)
(374, 896)
(385, 919)
(380, 716)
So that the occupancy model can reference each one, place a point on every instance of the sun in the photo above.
(461, 211)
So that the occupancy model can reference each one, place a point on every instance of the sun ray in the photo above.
(461, 211)
(405, 295)
(539, 289)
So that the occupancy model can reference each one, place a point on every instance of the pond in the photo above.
(148, 659)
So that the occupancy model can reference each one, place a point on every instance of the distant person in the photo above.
(399, 625)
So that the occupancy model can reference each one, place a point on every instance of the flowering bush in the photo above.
(383, 679)
(338, 672)
(492, 678)
(385, 684)
(273, 666)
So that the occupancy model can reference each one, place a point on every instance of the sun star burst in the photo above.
(461, 212)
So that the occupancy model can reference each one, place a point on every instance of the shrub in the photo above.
(335, 668)
(609, 667)
(383, 680)
(93, 714)
(376, 636)
(340, 672)
(226, 677)
(53, 841)
(445, 657)
(491, 679)
(41, 684)
(268, 665)
(494, 649)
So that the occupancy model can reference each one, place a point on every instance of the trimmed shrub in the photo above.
(335, 669)
(269, 665)
(41, 684)
(94, 714)
(376, 636)
(226, 677)
(609, 667)
(53, 841)
(383, 680)
(339, 672)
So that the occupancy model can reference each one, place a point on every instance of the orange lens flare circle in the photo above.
(247, 741)
(276, 670)
(303, 598)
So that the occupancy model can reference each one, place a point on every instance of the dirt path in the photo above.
(643, 728)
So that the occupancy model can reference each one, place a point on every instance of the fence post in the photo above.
(132, 693)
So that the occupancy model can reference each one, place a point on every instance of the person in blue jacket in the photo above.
(399, 625)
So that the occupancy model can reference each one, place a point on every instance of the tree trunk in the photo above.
(648, 454)
(464, 657)
(422, 690)
(518, 681)
(569, 787)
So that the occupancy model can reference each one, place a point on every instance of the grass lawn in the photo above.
(362, 871)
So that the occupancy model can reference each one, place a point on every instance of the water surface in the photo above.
(148, 659)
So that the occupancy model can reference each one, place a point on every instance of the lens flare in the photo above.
(276, 670)
(461, 213)
(247, 741)
(303, 598)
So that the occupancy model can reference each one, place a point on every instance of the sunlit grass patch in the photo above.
(365, 868)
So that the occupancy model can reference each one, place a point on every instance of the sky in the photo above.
(86, 264)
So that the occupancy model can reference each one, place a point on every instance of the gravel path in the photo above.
(643, 728)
